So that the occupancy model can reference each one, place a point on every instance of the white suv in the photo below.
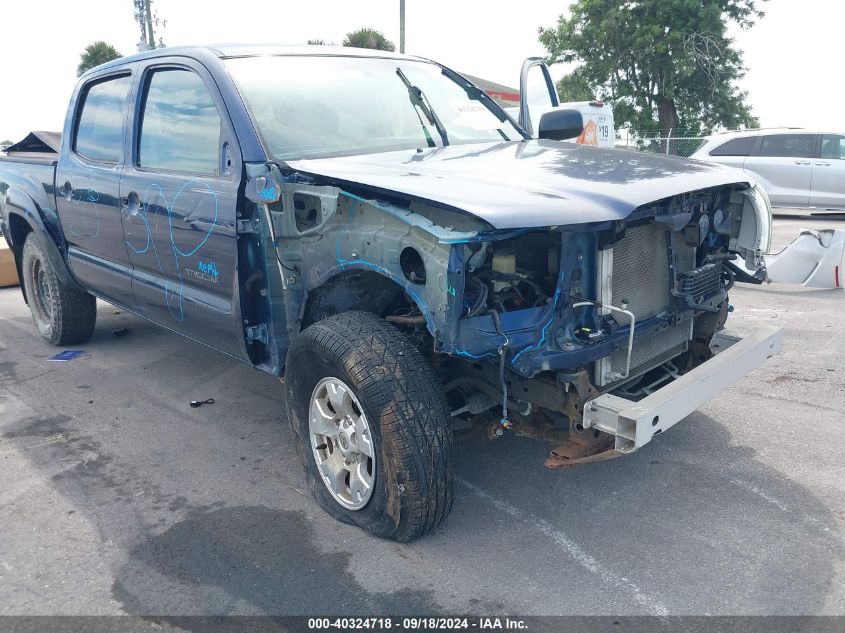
(797, 168)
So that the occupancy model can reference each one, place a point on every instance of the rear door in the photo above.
(828, 190)
(783, 164)
(87, 183)
(180, 194)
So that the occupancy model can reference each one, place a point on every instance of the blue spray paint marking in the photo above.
(348, 263)
(177, 312)
(270, 193)
(84, 199)
(209, 268)
(542, 340)
(460, 352)
(170, 220)
(344, 263)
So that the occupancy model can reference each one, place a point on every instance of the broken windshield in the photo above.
(317, 106)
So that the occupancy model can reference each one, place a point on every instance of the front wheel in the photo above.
(371, 426)
(63, 315)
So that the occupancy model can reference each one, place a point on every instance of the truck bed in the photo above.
(30, 179)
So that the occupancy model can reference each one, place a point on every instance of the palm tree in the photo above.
(94, 55)
(368, 38)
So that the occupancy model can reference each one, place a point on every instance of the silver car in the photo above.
(797, 168)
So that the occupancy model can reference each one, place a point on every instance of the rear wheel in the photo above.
(63, 315)
(371, 426)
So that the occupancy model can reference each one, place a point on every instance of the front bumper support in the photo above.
(634, 424)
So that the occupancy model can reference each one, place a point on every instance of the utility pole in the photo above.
(146, 19)
(402, 26)
(149, 18)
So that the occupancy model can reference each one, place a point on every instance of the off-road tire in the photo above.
(406, 411)
(63, 315)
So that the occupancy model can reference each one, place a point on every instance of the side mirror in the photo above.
(560, 125)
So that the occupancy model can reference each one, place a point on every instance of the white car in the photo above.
(796, 167)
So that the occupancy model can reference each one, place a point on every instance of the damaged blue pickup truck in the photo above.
(375, 230)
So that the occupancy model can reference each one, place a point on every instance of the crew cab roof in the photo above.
(253, 50)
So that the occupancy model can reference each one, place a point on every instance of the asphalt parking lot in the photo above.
(117, 497)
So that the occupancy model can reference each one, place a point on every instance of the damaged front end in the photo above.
(555, 319)
(532, 329)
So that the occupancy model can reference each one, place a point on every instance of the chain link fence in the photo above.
(671, 145)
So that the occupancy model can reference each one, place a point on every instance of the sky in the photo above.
(794, 55)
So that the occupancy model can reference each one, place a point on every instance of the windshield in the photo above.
(315, 106)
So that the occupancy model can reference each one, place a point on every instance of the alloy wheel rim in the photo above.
(342, 443)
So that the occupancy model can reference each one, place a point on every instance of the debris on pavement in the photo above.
(66, 356)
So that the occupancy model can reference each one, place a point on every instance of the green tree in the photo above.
(95, 54)
(664, 64)
(317, 42)
(574, 87)
(368, 38)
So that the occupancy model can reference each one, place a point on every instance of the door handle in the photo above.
(802, 162)
(132, 204)
(821, 164)
(66, 190)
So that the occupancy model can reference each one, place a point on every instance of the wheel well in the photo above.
(19, 228)
(354, 290)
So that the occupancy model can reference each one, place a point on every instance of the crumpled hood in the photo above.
(526, 184)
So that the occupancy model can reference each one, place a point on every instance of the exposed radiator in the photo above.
(636, 272)
(654, 350)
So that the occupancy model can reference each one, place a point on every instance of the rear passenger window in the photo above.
(99, 130)
(180, 125)
(788, 145)
(735, 147)
(833, 146)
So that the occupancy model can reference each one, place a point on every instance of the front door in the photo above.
(180, 196)
(87, 187)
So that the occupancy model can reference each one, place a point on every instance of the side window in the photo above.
(180, 126)
(99, 128)
(735, 147)
(833, 146)
(788, 145)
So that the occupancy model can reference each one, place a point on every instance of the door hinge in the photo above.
(256, 333)
(252, 225)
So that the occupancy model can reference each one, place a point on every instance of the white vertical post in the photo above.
(402, 26)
